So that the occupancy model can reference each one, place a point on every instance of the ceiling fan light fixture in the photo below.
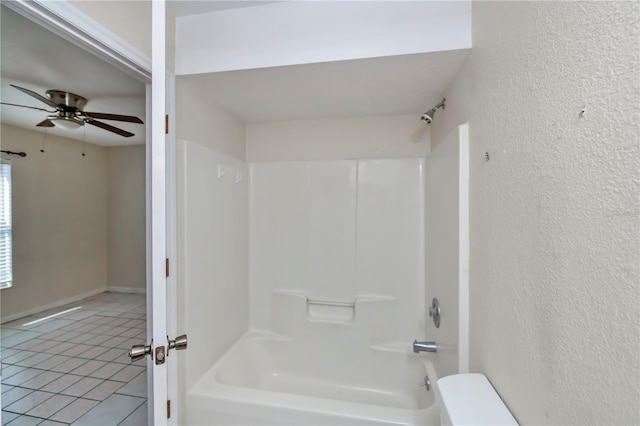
(66, 122)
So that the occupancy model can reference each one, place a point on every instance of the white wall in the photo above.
(287, 33)
(59, 201)
(213, 231)
(555, 285)
(337, 231)
(130, 20)
(79, 222)
(126, 217)
(170, 40)
(212, 222)
(200, 119)
(343, 138)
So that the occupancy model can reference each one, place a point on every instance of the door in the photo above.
(157, 347)
(447, 249)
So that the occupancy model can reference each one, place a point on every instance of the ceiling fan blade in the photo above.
(36, 95)
(45, 123)
(115, 117)
(105, 126)
(25, 106)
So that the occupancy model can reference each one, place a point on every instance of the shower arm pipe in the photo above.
(442, 104)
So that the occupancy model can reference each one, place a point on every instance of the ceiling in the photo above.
(36, 59)
(392, 85)
(196, 7)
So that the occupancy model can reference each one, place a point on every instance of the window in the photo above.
(6, 262)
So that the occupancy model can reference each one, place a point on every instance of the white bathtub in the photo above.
(267, 379)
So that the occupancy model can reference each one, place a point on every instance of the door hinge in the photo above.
(166, 124)
(168, 409)
(166, 267)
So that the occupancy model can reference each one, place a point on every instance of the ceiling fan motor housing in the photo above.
(69, 102)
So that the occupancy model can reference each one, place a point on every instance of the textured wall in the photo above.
(126, 217)
(59, 219)
(554, 213)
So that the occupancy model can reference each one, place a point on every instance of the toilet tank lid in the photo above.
(470, 399)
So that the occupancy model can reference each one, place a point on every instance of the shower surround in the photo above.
(332, 289)
(337, 231)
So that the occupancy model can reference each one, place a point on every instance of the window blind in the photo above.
(6, 261)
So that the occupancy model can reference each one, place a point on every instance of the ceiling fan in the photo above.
(69, 112)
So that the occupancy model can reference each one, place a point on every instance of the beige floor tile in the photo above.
(61, 383)
(75, 367)
(82, 386)
(41, 380)
(28, 402)
(73, 411)
(103, 390)
(51, 406)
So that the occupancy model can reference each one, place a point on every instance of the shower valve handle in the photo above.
(434, 311)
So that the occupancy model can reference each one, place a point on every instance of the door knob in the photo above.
(140, 351)
(179, 344)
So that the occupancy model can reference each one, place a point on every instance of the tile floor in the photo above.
(74, 368)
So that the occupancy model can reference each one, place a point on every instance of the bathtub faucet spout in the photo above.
(424, 346)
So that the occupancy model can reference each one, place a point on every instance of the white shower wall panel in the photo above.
(339, 230)
(214, 239)
(447, 262)
(302, 223)
(332, 230)
(279, 233)
(390, 223)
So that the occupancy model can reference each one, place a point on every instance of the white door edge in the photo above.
(157, 392)
(172, 251)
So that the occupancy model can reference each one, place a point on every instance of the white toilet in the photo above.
(469, 399)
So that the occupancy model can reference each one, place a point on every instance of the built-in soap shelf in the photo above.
(330, 311)
(368, 319)
(295, 304)
(223, 170)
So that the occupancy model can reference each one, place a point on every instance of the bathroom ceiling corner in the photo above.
(392, 85)
(35, 59)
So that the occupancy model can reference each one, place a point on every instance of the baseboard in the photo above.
(52, 305)
(136, 290)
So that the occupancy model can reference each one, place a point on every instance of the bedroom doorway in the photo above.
(76, 301)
